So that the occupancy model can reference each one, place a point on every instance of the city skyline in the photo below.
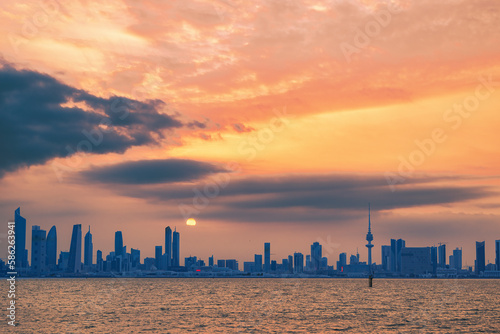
(45, 246)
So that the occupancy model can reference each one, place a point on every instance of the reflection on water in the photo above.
(254, 305)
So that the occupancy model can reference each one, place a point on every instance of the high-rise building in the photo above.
(135, 257)
(457, 259)
(118, 243)
(258, 262)
(20, 230)
(75, 250)
(232, 264)
(442, 256)
(221, 263)
(416, 260)
(267, 257)
(290, 264)
(386, 258)
(158, 255)
(369, 238)
(38, 250)
(316, 255)
(342, 262)
(298, 263)
(99, 261)
(168, 245)
(497, 254)
(175, 248)
(211, 261)
(480, 257)
(396, 246)
(51, 247)
(88, 250)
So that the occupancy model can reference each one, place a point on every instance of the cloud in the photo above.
(152, 171)
(42, 118)
(307, 197)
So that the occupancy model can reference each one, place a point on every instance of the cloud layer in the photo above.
(42, 118)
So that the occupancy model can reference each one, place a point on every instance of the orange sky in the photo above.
(360, 86)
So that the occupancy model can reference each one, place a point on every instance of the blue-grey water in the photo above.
(254, 305)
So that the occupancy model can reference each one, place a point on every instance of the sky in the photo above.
(265, 121)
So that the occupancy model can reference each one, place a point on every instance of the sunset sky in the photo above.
(266, 121)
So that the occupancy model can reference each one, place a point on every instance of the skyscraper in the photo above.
(497, 254)
(316, 255)
(267, 257)
(38, 250)
(175, 249)
(396, 246)
(442, 256)
(298, 263)
(51, 259)
(457, 259)
(258, 262)
(20, 229)
(158, 254)
(75, 250)
(342, 262)
(88, 250)
(434, 259)
(168, 245)
(480, 257)
(118, 243)
(369, 238)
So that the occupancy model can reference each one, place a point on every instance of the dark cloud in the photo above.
(152, 171)
(239, 127)
(306, 197)
(42, 118)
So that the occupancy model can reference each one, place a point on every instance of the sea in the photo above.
(253, 305)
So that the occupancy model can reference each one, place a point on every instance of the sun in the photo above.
(191, 222)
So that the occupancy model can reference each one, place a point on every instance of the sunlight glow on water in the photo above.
(254, 305)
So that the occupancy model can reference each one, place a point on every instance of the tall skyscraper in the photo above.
(497, 254)
(442, 256)
(342, 262)
(480, 257)
(369, 238)
(267, 257)
(211, 261)
(386, 258)
(457, 259)
(38, 250)
(258, 262)
(118, 243)
(396, 246)
(20, 229)
(158, 254)
(298, 263)
(168, 245)
(316, 255)
(175, 249)
(99, 261)
(88, 250)
(51, 259)
(75, 250)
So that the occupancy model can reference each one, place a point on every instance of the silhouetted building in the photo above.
(369, 238)
(175, 248)
(88, 250)
(221, 263)
(416, 260)
(342, 262)
(457, 259)
(290, 264)
(75, 250)
(324, 263)
(63, 261)
(158, 257)
(51, 258)
(442, 256)
(298, 263)
(386, 258)
(168, 246)
(20, 230)
(480, 257)
(267, 257)
(248, 267)
(135, 257)
(118, 243)
(232, 264)
(316, 255)
(258, 262)
(497, 254)
(396, 246)
(99, 261)
(211, 261)
(38, 250)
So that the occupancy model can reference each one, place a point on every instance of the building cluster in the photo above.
(398, 260)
